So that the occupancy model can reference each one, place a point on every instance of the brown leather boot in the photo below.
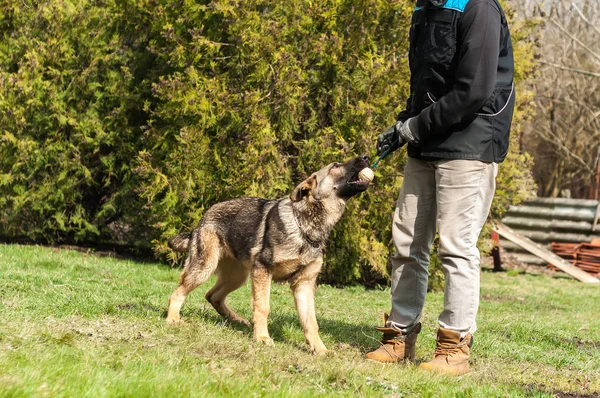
(451, 353)
(395, 345)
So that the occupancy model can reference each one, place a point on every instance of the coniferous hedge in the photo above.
(122, 121)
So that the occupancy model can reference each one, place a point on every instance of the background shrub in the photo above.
(123, 121)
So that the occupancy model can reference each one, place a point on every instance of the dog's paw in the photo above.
(265, 339)
(321, 351)
(241, 321)
(173, 321)
(246, 323)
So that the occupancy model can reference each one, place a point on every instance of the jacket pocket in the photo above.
(498, 102)
(498, 112)
(440, 44)
(430, 98)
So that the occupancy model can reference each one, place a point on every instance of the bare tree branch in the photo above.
(584, 18)
(556, 141)
(584, 72)
(575, 39)
(564, 135)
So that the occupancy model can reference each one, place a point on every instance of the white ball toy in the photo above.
(366, 174)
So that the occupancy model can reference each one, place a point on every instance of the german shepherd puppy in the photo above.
(280, 240)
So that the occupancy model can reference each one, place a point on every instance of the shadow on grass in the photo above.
(361, 337)
(140, 255)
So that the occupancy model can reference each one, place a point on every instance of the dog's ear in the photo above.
(304, 188)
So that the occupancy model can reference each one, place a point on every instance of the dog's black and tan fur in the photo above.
(279, 240)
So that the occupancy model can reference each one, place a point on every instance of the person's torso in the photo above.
(433, 57)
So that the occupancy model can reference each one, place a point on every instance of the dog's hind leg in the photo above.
(203, 258)
(232, 276)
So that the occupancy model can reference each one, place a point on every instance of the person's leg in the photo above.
(413, 231)
(465, 192)
(465, 189)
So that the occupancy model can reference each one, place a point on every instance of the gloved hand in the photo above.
(397, 135)
(390, 139)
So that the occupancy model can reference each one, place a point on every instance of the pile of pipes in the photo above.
(584, 255)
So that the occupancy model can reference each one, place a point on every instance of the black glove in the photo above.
(390, 140)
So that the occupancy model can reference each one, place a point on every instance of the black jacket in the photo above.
(462, 91)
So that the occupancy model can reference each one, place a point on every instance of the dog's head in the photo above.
(334, 181)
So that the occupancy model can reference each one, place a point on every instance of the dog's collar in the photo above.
(315, 244)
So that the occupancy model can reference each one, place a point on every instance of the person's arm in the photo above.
(479, 35)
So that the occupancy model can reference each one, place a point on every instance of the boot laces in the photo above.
(398, 338)
(448, 349)
(393, 339)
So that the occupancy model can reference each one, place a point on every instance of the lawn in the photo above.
(76, 324)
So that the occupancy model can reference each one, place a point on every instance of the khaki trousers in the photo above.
(455, 196)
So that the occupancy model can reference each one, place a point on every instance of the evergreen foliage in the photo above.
(122, 121)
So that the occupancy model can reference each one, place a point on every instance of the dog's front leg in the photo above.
(261, 289)
(304, 296)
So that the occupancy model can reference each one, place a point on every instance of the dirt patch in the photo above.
(101, 330)
(499, 299)
(564, 394)
(588, 343)
(580, 343)
(584, 385)
(127, 307)
(139, 307)
(495, 299)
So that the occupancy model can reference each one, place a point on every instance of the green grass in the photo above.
(75, 324)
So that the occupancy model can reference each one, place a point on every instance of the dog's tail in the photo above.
(180, 243)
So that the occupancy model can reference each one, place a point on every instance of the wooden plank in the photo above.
(544, 254)
(597, 213)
